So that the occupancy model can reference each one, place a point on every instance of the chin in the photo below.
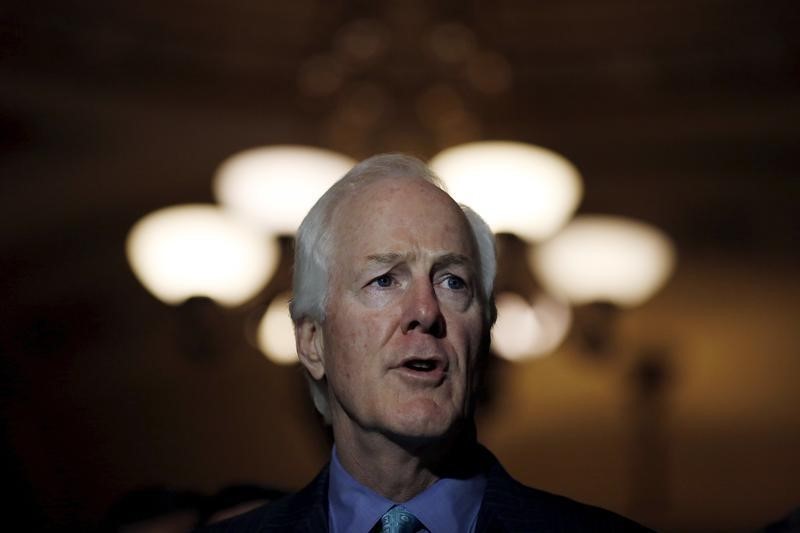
(423, 420)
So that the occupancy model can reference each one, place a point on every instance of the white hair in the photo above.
(315, 241)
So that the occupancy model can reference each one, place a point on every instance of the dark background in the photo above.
(681, 113)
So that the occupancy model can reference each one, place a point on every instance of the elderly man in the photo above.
(392, 311)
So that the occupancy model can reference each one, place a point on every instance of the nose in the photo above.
(421, 311)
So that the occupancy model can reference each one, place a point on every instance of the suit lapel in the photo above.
(306, 511)
(503, 509)
(317, 517)
(496, 494)
(490, 517)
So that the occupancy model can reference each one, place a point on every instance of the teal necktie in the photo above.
(399, 520)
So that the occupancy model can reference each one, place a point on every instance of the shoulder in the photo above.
(305, 510)
(508, 505)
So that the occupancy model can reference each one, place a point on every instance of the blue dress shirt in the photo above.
(446, 506)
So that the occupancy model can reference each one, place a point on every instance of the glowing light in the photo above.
(276, 333)
(199, 250)
(275, 186)
(525, 331)
(605, 258)
(516, 187)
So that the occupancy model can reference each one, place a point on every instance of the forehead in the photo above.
(403, 215)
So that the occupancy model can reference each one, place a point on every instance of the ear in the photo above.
(310, 347)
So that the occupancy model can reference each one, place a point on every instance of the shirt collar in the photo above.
(447, 505)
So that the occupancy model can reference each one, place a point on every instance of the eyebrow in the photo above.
(452, 259)
(384, 259)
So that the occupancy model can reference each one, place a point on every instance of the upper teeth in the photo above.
(421, 365)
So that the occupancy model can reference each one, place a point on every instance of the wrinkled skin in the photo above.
(404, 286)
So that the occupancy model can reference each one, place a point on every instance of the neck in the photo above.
(400, 468)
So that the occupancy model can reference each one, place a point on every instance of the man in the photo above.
(392, 311)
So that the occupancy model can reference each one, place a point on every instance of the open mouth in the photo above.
(421, 365)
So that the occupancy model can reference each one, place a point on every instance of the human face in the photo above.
(403, 324)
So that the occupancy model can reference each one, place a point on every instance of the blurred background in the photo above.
(682, 412)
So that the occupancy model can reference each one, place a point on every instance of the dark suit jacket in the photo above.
(507, 507)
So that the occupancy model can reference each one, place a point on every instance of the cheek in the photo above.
(354, 342)
(472, 337)
(376, 298)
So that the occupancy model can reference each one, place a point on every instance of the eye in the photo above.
(455, 283)
(385, 281)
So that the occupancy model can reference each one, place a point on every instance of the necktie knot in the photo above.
(399, 520)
